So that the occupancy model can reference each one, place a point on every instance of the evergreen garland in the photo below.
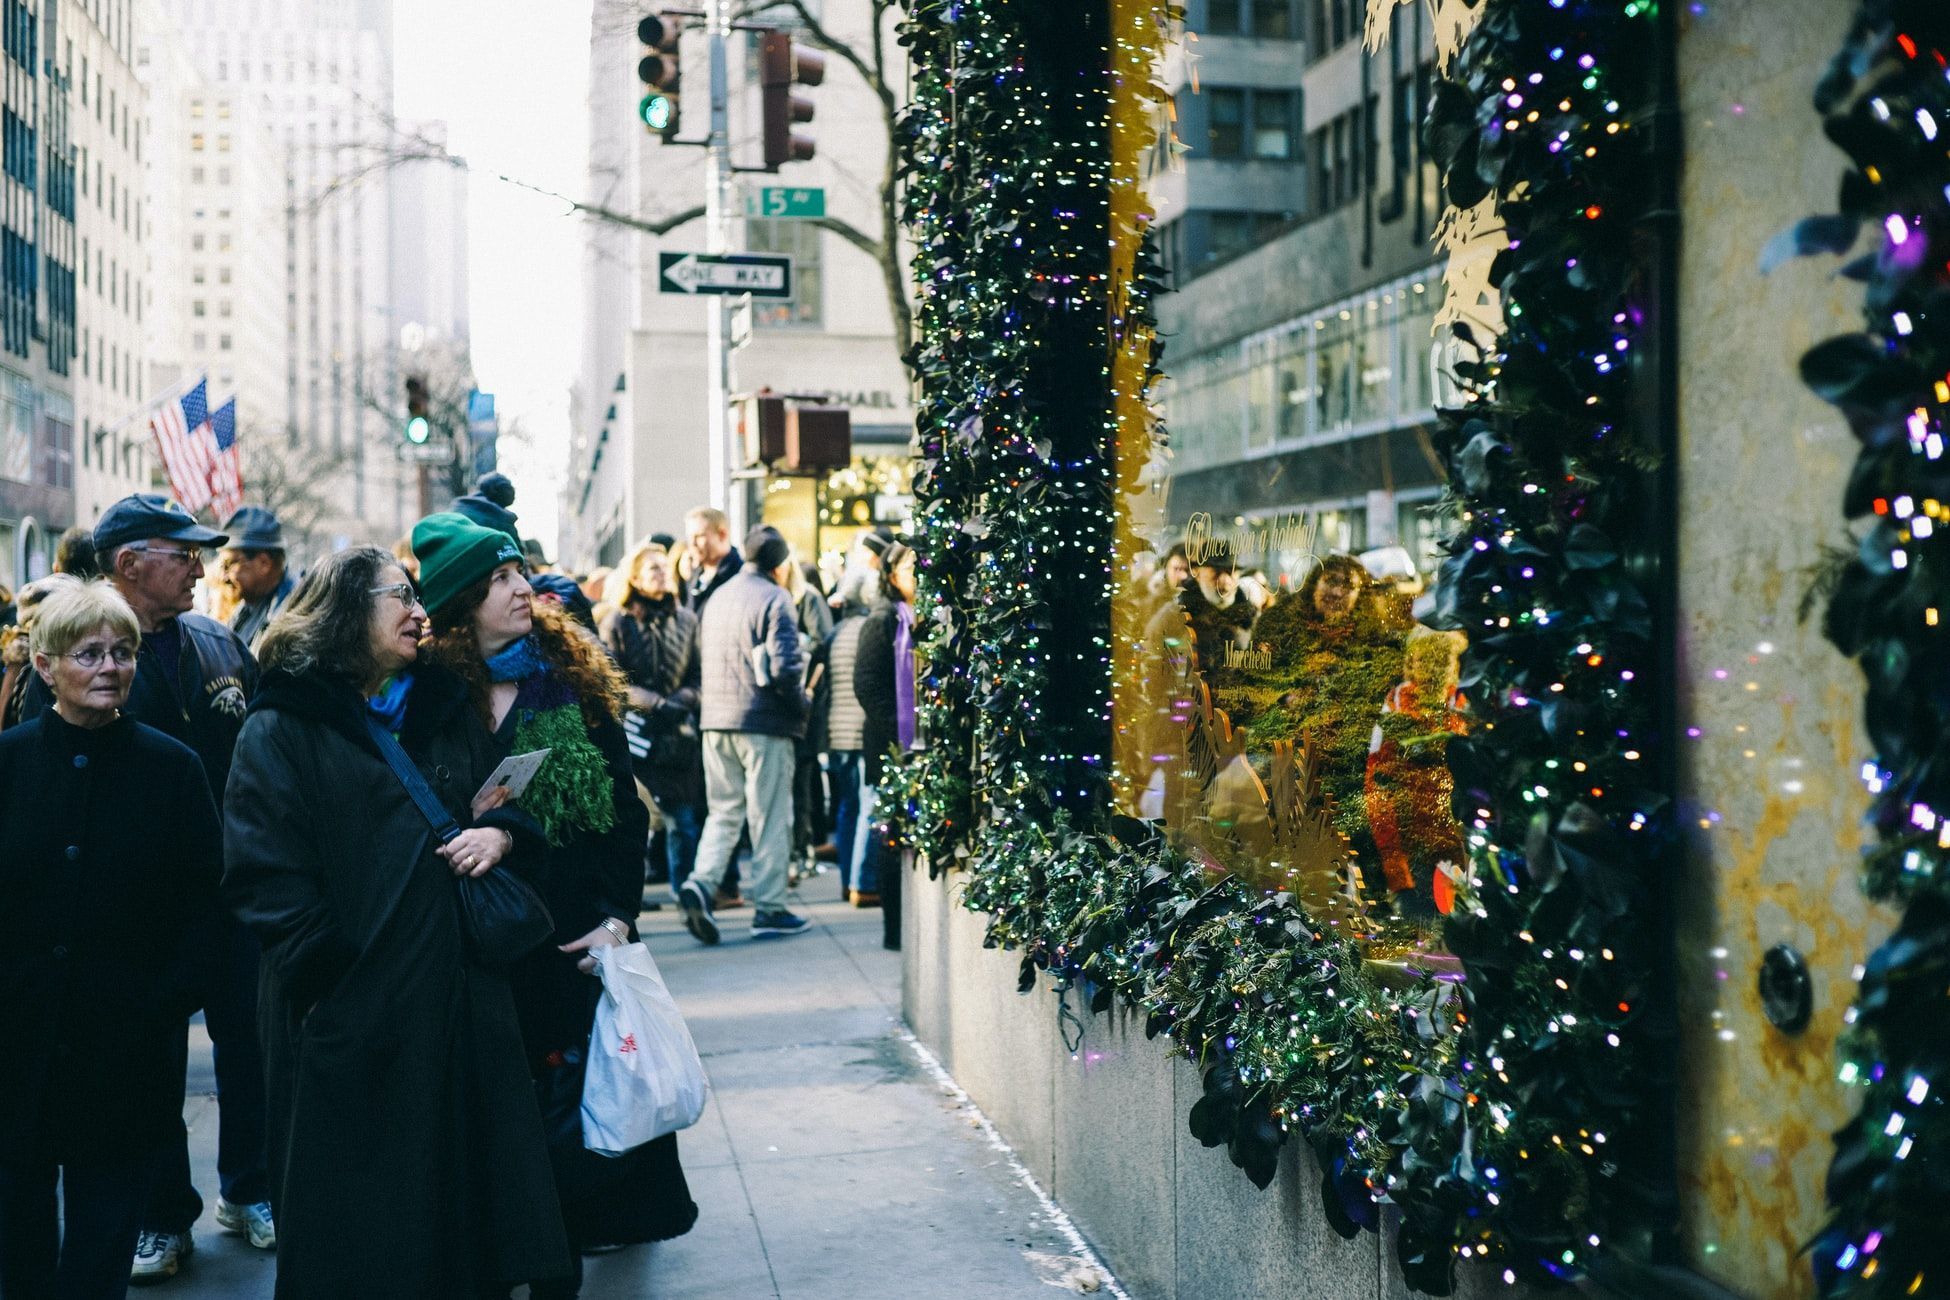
(1886, 103)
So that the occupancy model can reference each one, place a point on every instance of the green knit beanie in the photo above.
(455, 553)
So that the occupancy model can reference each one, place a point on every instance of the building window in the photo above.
(1272, 125)
(197, 308)
(801, 241)
(1225, 122)
(196, 176)
(1222, 18)
(223, 342)
(1273, 19)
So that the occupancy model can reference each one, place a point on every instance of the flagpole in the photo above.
(147, 408)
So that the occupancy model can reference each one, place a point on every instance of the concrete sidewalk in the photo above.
(831, 1161)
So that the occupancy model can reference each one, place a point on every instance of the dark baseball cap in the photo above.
(255, 528)
(148, 516)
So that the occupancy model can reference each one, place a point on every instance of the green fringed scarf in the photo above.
(572, 792)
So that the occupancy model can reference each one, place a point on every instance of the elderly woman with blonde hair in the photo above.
(113, 855)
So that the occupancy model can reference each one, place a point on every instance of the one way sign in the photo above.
(725, 273)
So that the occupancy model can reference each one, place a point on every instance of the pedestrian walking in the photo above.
(409, 1156)
(654, 640)
(883, 678)
(810, 804)
(254, 563)
(110, 877)
(533, 680)
(846, 742)
(714, 561)
(752, 714)
(194, 678)
(16, 658)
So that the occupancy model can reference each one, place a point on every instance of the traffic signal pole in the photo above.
(718, 217)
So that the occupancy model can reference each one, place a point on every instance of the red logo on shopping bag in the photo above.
(629, 1044)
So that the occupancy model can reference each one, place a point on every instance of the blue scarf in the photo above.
(389, 706)
(521, 660)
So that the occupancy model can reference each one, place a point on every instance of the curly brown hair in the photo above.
(577, 657)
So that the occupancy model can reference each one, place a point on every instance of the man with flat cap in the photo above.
(254, 563)
(194, 679)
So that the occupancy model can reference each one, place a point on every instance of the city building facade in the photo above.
(38, 294)
(1296, 213)
(639, 453)
(320, 75)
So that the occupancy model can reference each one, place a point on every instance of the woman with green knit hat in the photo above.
(535, 680)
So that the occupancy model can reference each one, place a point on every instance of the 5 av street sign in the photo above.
(724, 273)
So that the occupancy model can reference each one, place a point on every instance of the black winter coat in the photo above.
(660, 657)
(641, 1196)
(204, 707)
(873, 683)
(695, 598)
(109, 875)
(407, 1155)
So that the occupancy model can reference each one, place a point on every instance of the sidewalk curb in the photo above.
(1080, 1249)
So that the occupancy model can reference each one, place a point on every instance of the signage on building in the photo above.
(484, 431)
(691, 274)
(787, 202)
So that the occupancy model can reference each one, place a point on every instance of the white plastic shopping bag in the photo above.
(644, 1079)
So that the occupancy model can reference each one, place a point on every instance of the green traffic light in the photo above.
(418, 430)
(657, 111)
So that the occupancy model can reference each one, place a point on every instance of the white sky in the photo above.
(510, 78)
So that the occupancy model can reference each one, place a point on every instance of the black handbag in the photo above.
(502, 919)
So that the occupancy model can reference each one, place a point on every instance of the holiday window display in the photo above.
(1496, 1113)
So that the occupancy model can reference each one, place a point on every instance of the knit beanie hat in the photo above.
(455, 553)
(765, 549)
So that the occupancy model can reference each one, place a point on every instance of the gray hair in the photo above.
(326, 625)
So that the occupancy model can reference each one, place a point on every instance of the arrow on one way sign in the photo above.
(724, 273)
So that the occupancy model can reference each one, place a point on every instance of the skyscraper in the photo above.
(322, 73)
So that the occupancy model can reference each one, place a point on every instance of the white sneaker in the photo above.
(158, 1256)
(253, 1220)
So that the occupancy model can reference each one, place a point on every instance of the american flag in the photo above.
(188, 453)
(227, 476)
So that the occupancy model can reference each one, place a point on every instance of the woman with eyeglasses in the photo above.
(407, 1151)
(110, 872)
(536, 680)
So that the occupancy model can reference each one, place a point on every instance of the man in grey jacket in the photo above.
(752, 710)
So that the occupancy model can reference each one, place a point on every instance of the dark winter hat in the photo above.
(765, 549)
(877, 541)
(663, 541)
(498, 488)
(147, 516)
(455, 553)
(563, 588)
(488, 514)
(531, 549)
(255, 528)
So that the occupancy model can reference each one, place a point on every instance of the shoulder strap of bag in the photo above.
(409, 776)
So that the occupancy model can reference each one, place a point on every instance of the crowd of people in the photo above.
(278, 810)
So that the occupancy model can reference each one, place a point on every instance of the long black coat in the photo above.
(874, 685)
(108, 875)
(592, 875)
(407, 1154)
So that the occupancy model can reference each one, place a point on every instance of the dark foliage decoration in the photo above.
(1497, 1113)
(1886, 103)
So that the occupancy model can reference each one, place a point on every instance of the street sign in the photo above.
(787, 202)
(724, 274)
(741, 321)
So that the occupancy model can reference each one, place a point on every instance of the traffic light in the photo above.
(418, 429)
(661, 72)
(782, 65)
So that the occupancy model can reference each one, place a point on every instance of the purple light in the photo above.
(1898, 230)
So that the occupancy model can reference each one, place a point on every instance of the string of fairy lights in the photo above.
(1886, 101)
(1496, 1114)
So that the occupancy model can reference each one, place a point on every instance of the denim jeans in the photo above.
(866, 866)
(748, 781)
(843, 769)
(683, 824)
(101, 1207)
